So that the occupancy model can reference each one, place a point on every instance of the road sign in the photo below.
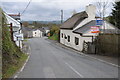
(95, 29)
(19, 37)
(99, 22)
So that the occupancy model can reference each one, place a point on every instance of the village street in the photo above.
(48, 60)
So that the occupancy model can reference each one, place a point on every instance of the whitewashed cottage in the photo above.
(82, 27)
(37, 33)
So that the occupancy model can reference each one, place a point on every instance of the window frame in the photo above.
(68, 38)
(76, 41)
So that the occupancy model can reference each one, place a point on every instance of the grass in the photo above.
(14, 68)
(54, 37)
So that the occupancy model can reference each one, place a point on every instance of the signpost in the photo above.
(19, 37)
(95, 29)
(99, 22)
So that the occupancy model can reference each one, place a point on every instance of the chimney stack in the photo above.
(91, 11)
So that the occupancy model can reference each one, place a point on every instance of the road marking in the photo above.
(74, 70)
(22, 68)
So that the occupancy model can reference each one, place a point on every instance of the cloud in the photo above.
(45, 9)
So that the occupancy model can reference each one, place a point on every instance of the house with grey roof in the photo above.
(83, 27)
(38, 32)
(46, 30)
(27, 32)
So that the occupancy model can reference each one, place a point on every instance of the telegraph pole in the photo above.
(61, 16)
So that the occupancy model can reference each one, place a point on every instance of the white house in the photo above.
(80, 28)
(46, 30)
(37, 33)
(16, 28)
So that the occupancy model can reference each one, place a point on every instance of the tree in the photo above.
(115, 18)
(26, 24)
(101, 8)
(54, 30)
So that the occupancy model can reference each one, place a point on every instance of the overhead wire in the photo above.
(26, 8)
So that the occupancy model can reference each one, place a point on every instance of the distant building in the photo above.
(37, 33)
(27, 32)
(83, 27)
(46, 30)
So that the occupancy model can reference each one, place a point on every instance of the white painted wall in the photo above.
(72, 39)
(37, 33)
(46, 31)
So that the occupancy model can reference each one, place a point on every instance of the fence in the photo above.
(105, 44)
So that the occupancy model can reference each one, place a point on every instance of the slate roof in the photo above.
(26, 28)
(46, 28)
(41, 29)
(73, 21)
(85, 27)
(88, 25)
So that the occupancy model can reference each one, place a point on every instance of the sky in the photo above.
(47, 10)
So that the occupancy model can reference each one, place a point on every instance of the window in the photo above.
(65, 36)
(62, 35)
(68, 38)
(35, 32)
(76, 41)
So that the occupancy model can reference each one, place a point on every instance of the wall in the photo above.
(36, 33)
(72, 39)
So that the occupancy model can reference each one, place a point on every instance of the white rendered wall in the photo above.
(72, 39)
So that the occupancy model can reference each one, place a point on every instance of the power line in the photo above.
(26, 8)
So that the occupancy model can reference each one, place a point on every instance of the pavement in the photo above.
(48, 60)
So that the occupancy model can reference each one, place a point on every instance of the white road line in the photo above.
(22, 67)
(74, 70)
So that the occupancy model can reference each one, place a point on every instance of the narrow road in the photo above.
(48, 60)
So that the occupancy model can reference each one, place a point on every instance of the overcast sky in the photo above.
(47, 10)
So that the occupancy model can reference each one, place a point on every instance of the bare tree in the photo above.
(102, 6)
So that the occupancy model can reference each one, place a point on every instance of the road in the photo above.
(48, 60)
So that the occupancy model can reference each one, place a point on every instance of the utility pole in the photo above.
(61, 16)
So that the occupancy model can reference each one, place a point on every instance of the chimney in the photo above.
(91, 11)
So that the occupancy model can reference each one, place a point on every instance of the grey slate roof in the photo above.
(46, 28)
(85, 27)
(74, 20)
(26, 28)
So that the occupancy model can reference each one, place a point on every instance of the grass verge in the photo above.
(15, 67)
(53, 37)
